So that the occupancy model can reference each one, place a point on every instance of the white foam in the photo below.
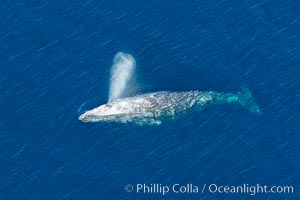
(121, 73)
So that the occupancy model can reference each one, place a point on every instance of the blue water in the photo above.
(55, 60)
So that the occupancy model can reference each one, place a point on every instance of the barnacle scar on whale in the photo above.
(157, 107)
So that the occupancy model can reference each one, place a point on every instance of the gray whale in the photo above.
(155, 108)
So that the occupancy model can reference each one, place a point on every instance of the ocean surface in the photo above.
(55, 61)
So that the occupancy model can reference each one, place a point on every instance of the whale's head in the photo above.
(90, 117)
(107, 112)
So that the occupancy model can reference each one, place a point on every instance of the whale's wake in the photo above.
(121, 73)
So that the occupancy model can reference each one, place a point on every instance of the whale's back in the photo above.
(155, 105)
